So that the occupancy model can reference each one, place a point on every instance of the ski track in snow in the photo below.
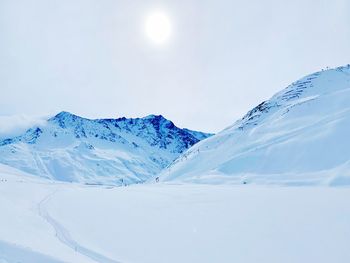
(64, 237)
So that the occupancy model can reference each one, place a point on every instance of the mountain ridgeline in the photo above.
(101, 151)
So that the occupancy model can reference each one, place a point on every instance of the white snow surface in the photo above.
(103, 151)
(45, 221)
(298, 137)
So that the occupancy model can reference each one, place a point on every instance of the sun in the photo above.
(158, 27)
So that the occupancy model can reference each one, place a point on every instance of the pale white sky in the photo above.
(91, 57)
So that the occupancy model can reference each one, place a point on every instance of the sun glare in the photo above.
(158, 27)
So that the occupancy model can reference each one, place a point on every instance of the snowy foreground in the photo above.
(43, 221)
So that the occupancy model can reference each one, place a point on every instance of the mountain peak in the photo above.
(64, 115)
(65, 118)
(156, 118)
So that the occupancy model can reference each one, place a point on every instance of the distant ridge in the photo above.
(115, 151)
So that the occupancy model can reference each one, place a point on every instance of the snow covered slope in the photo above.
(299, 136)
(45, 221)
(112, 151)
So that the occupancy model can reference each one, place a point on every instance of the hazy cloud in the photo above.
(14, 125)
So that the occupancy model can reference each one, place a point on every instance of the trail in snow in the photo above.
(63, 235)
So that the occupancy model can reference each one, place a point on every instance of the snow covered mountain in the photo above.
(298, 137)
(113, 151)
